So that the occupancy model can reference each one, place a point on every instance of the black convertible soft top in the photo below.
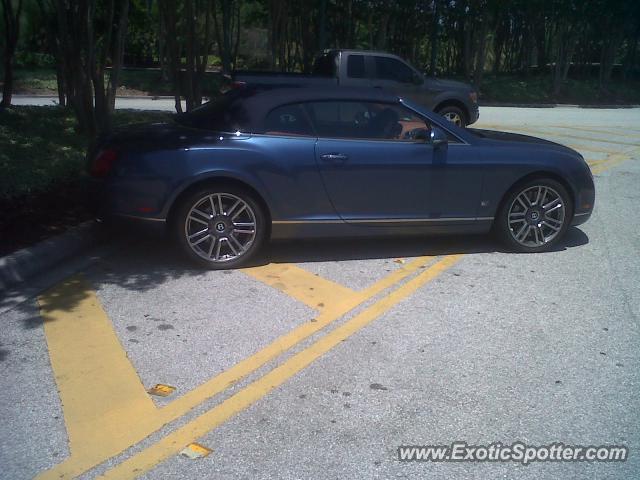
(244, 109)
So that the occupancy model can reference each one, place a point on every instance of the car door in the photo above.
(353, 71)
(394, 75)
(376, 169)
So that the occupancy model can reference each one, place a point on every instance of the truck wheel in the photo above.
(454, 115)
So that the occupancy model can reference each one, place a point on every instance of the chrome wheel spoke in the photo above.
(241, 210)
(524, 201)
(552, 227)
(234, 206)
(213, 243)
(234, 241)
(198, 220)
(522, 233)
(539, 236)
(557, 206)
(213, 207)
(230, 245)
(220, 207)
(201, 213)
(194, 235)
(198, 242)
(553, 220)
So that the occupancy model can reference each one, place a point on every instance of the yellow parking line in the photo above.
(335, 309)
(541, 131)
(148, 458)
(105, 405)
(602, 132)
(310, 289)
(59, 307)
(610, 162)
(581, 148)
(596, 129)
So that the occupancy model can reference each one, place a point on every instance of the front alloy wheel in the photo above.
(535, 216)
(220, 228)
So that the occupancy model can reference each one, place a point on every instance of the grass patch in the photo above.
(132, 81)
(537, 89)
(40, 148)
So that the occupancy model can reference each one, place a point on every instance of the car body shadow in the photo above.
(334, 249)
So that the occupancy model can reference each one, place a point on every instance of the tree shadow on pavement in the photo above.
(140, 264)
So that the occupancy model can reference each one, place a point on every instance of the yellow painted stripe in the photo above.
(611, 162)
(582, 148)
(615, 131)
(542, 131)
(336, 309)
(599, 130)
(174, 442)
(76, 465)
(105, 405)
(310, 289)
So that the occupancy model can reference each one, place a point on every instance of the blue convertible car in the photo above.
(305, 162)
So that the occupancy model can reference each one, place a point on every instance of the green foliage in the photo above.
(537, 89)
(39, 147)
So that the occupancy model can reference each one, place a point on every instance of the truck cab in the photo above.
(456, 101)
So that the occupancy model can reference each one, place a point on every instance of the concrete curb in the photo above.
(23, 264)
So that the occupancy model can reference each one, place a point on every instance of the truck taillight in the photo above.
(103, 163)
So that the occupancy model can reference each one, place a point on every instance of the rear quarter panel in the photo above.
(281, 170)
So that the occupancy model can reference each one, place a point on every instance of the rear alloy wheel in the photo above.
(535, 216)
(220, 227)
(454, 115)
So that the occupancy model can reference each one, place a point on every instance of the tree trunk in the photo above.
(481, 53)
(12, 32)
(433, 61)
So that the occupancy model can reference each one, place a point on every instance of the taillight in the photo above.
(103, 163)
(238, 84)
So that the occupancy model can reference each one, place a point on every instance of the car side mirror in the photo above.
(438, 138)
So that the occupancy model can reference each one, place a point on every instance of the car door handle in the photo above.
(334, 157)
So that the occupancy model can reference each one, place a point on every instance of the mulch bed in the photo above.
(32, 218)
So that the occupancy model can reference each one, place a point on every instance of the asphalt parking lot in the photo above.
(324, 357)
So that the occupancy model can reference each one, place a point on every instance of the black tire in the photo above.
(223, 227)
(542, 234)
(452, 114)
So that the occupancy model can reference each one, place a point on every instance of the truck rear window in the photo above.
(355, 66)
(325, 65)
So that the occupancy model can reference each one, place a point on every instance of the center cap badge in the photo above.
(220, 227)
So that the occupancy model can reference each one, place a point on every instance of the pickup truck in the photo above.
(456, 101)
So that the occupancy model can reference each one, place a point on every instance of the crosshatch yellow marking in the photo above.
(62, 301)
(310, 289)
(543, 131)
(331, 313)
(598, 130)
(148, 458)
(105, 405)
